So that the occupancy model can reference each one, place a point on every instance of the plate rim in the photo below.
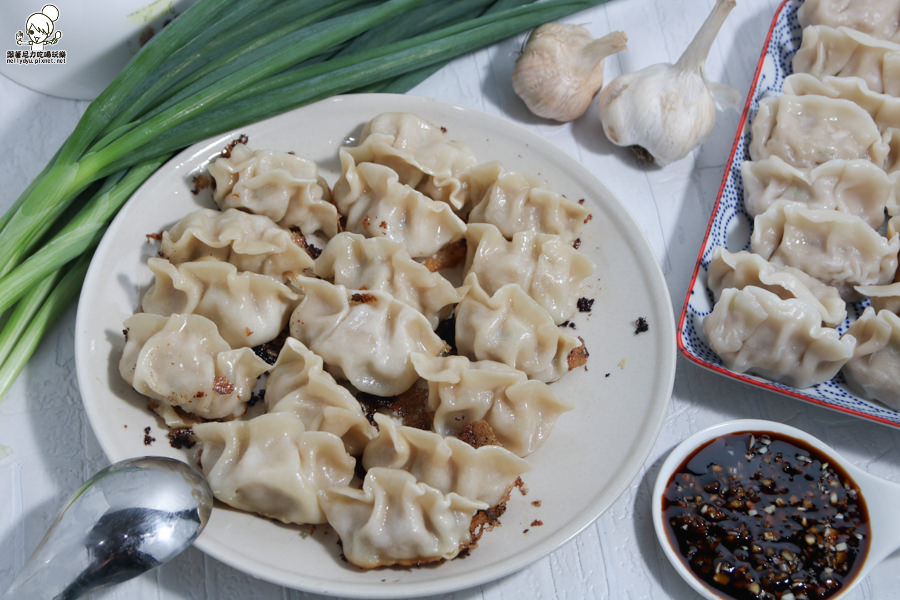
(661, 396)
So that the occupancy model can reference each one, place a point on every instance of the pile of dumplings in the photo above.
(822, 187)
(343, 288)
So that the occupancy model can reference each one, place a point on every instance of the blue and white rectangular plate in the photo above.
(730, 227)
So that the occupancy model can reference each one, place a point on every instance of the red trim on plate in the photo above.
(685, 307)
(712, 218)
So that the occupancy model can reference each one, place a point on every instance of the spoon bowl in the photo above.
(880, 498)
(130, 517)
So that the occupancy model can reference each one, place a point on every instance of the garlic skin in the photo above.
(560, 69)
(666, 110)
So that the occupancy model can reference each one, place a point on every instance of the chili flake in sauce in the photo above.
(760, 515)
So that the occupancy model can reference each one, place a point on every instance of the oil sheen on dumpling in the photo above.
(182, 361)
(249, 309)
(754, 331)
(509, 327)
(874, 370)
(485, 474)
(878, 18)
(883, 108)
(282, 186)
(843, 52)
(272, 466)
(419, 152)
(548, 268)
(395, 520)
(249, 242)
(364, 336)
(381, 264)
(838, 249)
(299, 385)
(376, 203)
(520, 411)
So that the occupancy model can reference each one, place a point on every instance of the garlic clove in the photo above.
(725, 95)
(560, 69)
(666, 110)
(659, 111)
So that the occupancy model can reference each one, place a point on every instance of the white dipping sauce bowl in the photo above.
(881, 499)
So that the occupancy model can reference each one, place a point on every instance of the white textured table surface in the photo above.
(47, 448)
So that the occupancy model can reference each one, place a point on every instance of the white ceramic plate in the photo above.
(591, 457)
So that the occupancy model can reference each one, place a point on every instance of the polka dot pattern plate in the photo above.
(730, 227)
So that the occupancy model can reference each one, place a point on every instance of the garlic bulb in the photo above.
(561, 69)
(664, 111)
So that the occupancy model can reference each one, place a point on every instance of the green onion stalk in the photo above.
(220, 65)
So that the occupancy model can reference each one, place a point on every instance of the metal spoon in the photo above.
(130, 517)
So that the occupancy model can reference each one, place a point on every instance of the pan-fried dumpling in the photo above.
(376, 204)
(419, 152)
(395, 520)
(282, 186)
(550, 270)
(299, 385)
(509, 327)
(515, 202)
(838, 249)
(448, 464)
(856, 187)
(364, 336)
(878, 18)
(873, 370)
(272, 466)
(740, 269)
(845, 52)
(754, 331)
(481, 178)
(362, 263)
(182, 361)
(249, 242)
(807, 131)
(249, 309)
(520, 411)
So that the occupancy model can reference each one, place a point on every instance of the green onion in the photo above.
(66, 179)
(215, 49)
(35, 315)
(220, 65)
(315, 82)
(80, 234)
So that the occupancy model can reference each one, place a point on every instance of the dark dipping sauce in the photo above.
(761, 515)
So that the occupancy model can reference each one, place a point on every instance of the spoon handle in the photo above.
(882, 498)
(47, 574)
(129, 518)
(68, 564)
